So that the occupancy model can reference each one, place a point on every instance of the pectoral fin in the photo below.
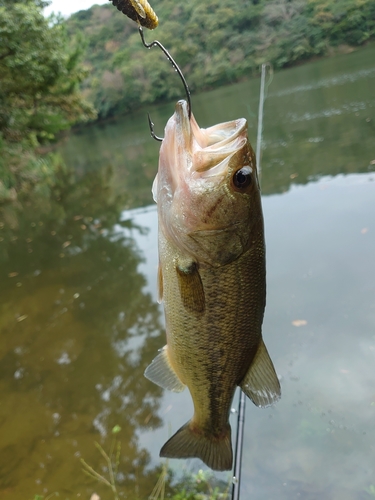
(160, 372)
(190, 286)
(260, 383)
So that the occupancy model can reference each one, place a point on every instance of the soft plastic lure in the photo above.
(138, 10)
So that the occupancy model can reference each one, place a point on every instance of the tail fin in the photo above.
(213, 451)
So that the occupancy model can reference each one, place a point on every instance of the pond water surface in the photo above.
(80, 321)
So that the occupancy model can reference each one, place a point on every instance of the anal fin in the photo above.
(260, 383)
(161, 372)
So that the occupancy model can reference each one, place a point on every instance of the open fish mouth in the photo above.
(190, 153)
(209, 147)
(200, 207)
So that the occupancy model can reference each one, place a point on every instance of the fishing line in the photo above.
(262, 97)
(236, 480)
(269, 67)
(236, 488)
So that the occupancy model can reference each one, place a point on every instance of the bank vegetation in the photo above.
(56, 73)
(213, 41)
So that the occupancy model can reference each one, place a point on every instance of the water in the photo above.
(80, 322)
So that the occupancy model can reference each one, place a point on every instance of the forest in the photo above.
(40, 75)
(214, 42)
(57, 73)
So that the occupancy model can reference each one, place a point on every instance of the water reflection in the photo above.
(79, 319)
(319, 324)
(318, 119)
(77, 325)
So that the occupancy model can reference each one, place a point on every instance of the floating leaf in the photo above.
(299, 322)
(116, 429)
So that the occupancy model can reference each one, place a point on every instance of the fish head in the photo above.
(207, 189)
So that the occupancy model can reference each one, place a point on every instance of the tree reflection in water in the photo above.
(77, 330)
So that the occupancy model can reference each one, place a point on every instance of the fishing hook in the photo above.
(175, 65)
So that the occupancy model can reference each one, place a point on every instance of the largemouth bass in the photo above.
(212, 280)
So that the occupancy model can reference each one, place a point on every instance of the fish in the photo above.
(212, 281)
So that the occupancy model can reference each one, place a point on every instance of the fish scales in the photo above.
(211, 280)
(203, 348)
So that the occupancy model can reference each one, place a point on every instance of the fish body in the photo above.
(211, 280)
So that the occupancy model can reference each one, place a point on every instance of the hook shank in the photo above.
(176, 67)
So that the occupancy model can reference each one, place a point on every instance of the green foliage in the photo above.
(370, 490)
(23, 169)
(40, 75)
(213, 42)
(346, 21)
(200, 487)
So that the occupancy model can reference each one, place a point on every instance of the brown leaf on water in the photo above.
(148, 418)
(66, 244)
(299, 322)
(13, 275)
(78, 217)
(372, 162)
(169, 407)
(94, 496)
(21, 318)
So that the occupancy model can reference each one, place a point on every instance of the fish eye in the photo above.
(243, 177)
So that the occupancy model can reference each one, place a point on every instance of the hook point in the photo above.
(151, 125)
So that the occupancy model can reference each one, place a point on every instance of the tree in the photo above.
(39, 73)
